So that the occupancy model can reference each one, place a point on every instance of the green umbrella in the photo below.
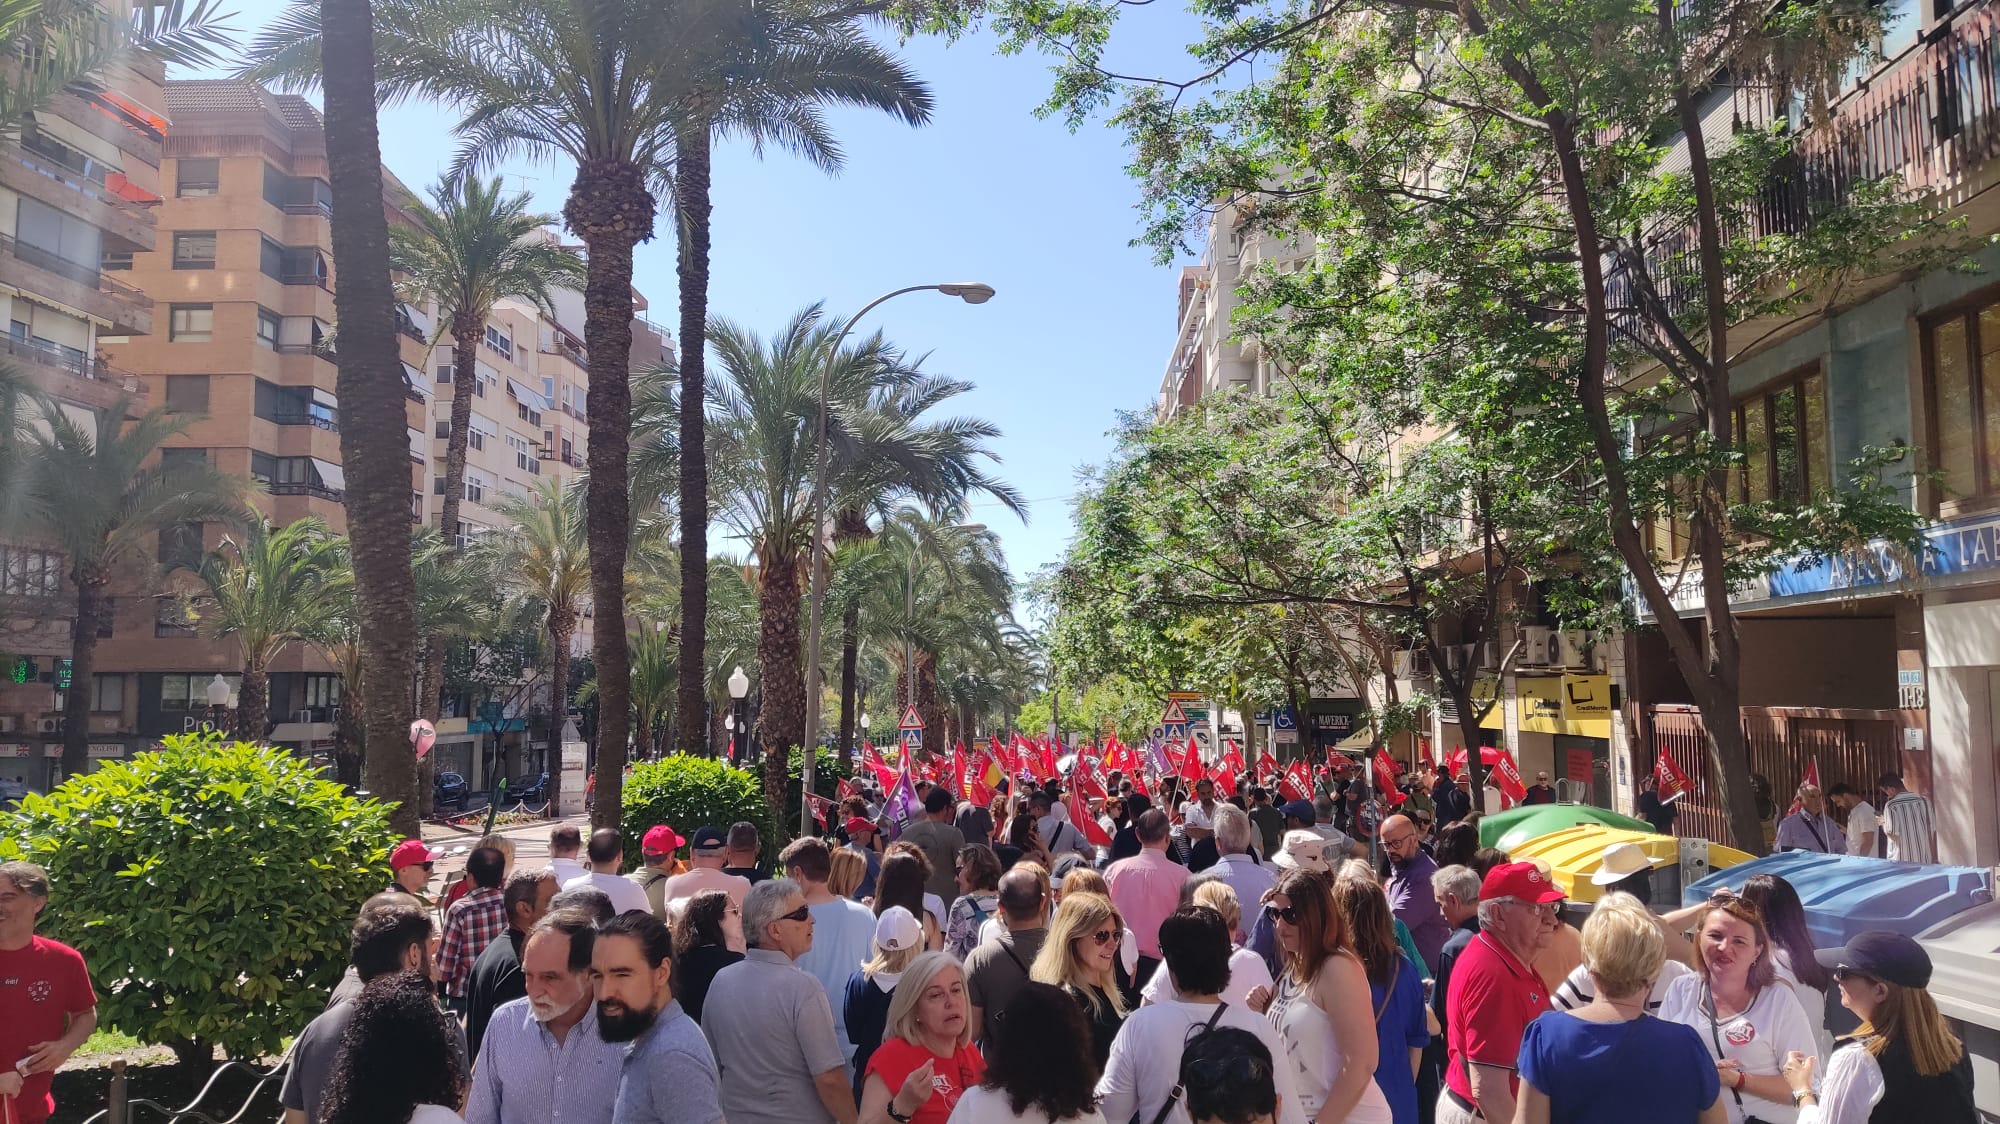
(1508, 830)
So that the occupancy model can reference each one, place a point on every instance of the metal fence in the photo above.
(122, 1108)
(1850, 745)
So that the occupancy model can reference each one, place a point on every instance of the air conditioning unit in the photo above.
(49, 726)
(301, 716)
(1402, 665)
(1488, 652)
(1535, 643)
(9, 723)
(1572, 648)
(1459, 655)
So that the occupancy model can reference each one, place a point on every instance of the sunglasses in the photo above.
(1289, 915)
(1844, 974)
(799, 914)
(1106, 936)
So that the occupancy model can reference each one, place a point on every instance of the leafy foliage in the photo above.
(687, 792)
(211, 886)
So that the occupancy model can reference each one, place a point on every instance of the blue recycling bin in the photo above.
(1849, 894)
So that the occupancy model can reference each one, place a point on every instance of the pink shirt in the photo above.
(681, 887)
(1146, 888)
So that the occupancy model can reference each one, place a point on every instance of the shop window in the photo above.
(1962, 393)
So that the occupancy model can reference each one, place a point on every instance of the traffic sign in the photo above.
(911, 719)
(1283, 719)
(1174, 716)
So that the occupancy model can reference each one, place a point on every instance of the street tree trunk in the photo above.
(610, 207)
(781, 722)
(467, 329)
(347, 747)
(374, 439)
(253, 704)
(82, 670)
(691, 188)
(849, 525)
(561, 628)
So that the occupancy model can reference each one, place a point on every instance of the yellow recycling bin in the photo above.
(1574, 854)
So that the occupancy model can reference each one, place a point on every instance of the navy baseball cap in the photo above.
(1887, 956)
(1300, 810)
(708, 837)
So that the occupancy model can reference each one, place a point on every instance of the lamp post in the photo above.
(971, 293)
(739, 690)
(218, 700)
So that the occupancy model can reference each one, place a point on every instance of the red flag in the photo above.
(1385, 777)
(1506, 775)
(1085, 781)
(958, 786)
(820, 806)
(1119, 756)
(843, 789)
(873, 760)
(1427, 753)
(1139, 783)
(1267, 767)
(1225, 781)
(1811, 778)
(1003, 756)
(1455, 763)
(1232, 756)
(1672, 783)
(1048, 763)
(1079, 816)
(1296, 784)
(1191, 769)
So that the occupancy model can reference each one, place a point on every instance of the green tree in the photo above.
(471, 248)
(267, 589)
(104, 497)
(60, 46)
(543, 556)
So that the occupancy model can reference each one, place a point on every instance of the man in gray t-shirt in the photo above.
(940, 843)
(996, 969)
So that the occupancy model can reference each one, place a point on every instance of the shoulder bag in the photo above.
(1174, 1095)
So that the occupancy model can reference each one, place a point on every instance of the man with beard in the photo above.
(542, 1059)
(669, 1075)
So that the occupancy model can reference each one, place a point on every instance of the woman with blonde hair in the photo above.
(1903, 1063)
(898, 941)
(926, 1060)
(1083, 880)
(1321, 1007)
(1580, 1065)
(1747, 1017)
(1079, 955)
(850, 869)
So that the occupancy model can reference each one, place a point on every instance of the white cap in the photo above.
(897, 929)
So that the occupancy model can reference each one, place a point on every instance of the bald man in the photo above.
(1409, 887)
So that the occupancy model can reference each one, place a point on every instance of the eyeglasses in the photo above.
(1289, 915)
(799, 914)
(1843, 974)
(1399, 840)
(1106, 936)
(1551, 909)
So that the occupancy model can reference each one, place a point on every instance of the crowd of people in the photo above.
(1206, 958)
(1202, 958)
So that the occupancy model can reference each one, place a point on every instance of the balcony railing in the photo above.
(317, 491)
(309, 208)
(72, 362)
(322, 349)
(47, 163)
(82, 274)
(314, 420)
(294, 277)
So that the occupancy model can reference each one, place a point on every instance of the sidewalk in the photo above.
(531, 843)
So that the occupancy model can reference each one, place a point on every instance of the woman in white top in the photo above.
(399, 1062)
(1046, 1076)
(1904, 1063)
(1747, 1018)
(1247, 972)
(1322, 1007)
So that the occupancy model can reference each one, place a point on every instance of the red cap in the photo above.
(661, 840)
(858, 824)
(410, 852)
(1520, 880)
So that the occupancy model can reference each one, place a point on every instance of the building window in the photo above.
(190, 692)
(1962, 377)
(107, 694)
(187, 394)
(30, 573)
(475, 440)
(437, 485)
(182, 458)
(474, 490)
(1783, 432)
(263, 467)
(194, 249)
(443, 428)
(180, 544)
(499, 341)
(115, 261)
(191, 323)
(321, 691)
(201, 176)
(444, 375)
(269, 325)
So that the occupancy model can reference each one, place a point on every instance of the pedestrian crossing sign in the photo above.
(911, 719)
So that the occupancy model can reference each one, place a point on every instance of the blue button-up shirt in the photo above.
(525, 1076)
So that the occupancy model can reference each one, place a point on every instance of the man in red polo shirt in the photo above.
(1494, 994)
(47, 1007)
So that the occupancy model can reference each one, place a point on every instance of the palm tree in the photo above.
(544, 555)
(55, 46)
(267, 591)
(91, 492)
(765, 406)
(469, 250)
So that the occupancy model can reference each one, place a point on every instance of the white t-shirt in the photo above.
(567, 870)
(1811, 999)
(981, 1105)
(1578, 990)
(1194, 815)
(626, 895)
(1247, 973)
(1862, 820)
(1758, 1038)
(1145, 1061)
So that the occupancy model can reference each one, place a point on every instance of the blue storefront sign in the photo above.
(1964, 546)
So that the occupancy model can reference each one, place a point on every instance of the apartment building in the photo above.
(1209, 357)
(79, 188)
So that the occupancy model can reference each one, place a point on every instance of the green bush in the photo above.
(686, 792)
(211, 886)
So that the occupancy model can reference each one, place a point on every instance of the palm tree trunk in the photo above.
(850, 658)
(611, 209)
(929, 708)
(559, 635)
(718, 738)
(82, 672)
(466, 331)
(691, 187)
(781, 723)
(347, 741)
(374, 439)
(253, 704)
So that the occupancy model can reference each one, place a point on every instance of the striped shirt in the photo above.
(1908, 819)
(525, 1076)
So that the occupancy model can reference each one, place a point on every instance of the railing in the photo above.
(311, 419)
(318, 491)
(122, 1108)
(69, 175)
(82, 274)
(73, 362)
(294, 278)
(311, 208)
(323, 350)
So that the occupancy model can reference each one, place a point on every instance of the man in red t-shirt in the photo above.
(1494, 993)
(47, 1007)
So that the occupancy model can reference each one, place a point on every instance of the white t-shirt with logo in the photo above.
(1758, 1039)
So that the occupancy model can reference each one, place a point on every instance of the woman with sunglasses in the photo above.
(1322, 1007)
(1044, 1077)
(1904, 1063)
(705, 933)
(1747, 1018)
(1079, 955)
(926, 1060)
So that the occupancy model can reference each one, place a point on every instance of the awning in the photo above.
(532, 397)
(419, 444)
(298, 733)
(325, 398)
(417, 317)
(330, 474)
(416, 380)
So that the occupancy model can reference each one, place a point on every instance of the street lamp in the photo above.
(218, 699)
(739, 689)
(971, 292)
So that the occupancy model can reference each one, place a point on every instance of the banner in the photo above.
(1672, 783)
(1506, 776)
(820, 806)
(1385, 778)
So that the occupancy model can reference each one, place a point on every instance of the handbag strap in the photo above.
(1390, 990)
(1174, 1094)
(1715, 1032)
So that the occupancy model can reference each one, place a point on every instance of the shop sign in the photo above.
(102, 750)
(1540, 705)
(1586, 705)
(1333, 723)
(14, 749)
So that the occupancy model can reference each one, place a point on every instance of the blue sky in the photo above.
(988, 192)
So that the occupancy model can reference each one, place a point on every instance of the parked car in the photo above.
(11, 791)
(451, 792)
(527, 790)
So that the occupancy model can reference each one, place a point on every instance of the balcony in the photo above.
(74, 364)
(321, 348)
(316, 491)
(43, 170)
(125, 308)
(323, 210)
(314, 420)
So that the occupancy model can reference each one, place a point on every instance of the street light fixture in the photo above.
(739, 689)
(971, 292)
